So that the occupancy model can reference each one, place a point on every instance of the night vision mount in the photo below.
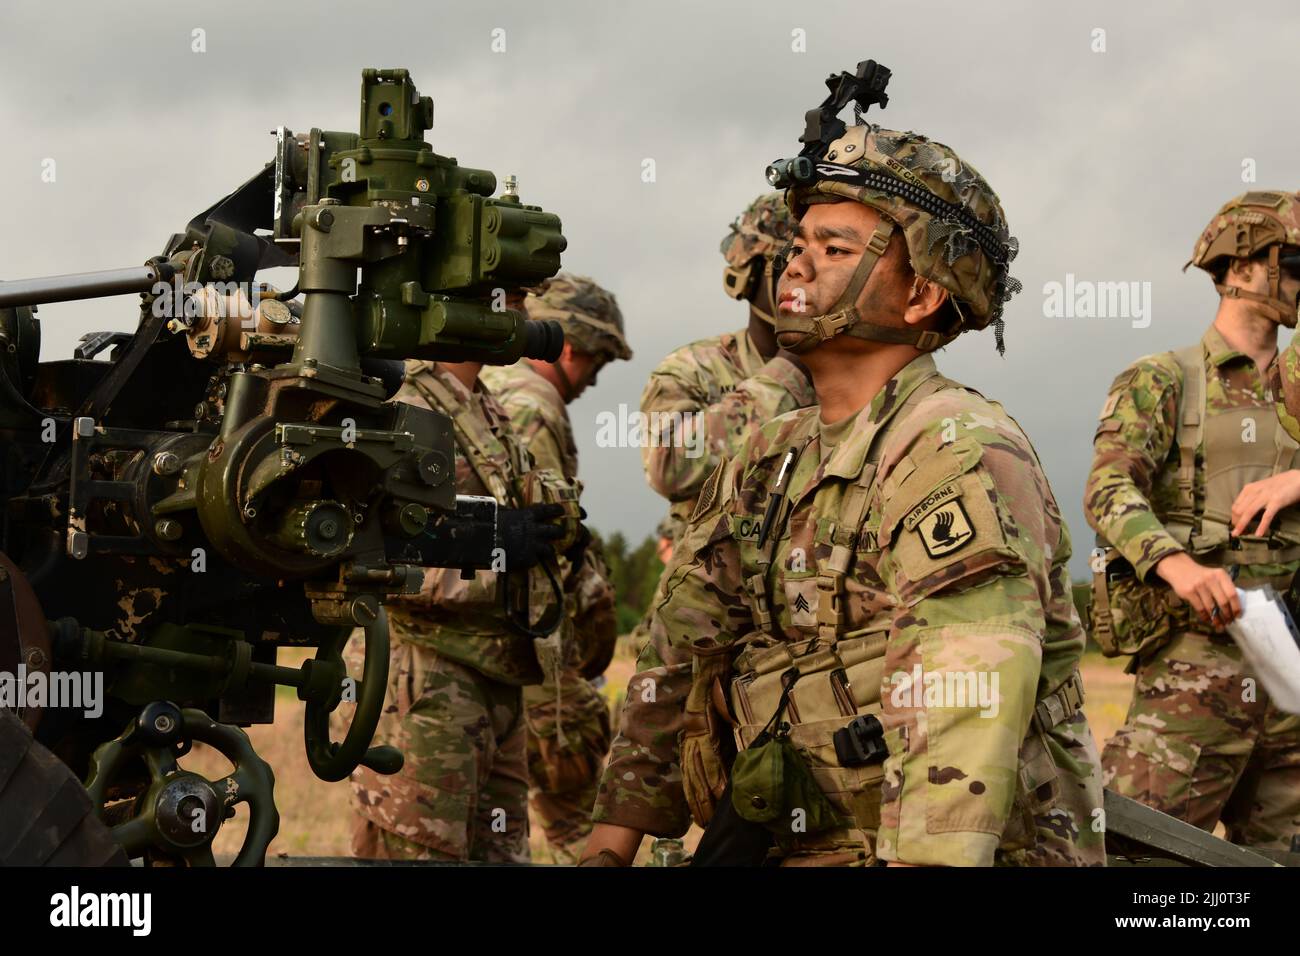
(863, 88)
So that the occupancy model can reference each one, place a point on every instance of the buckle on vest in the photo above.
(1060, 705)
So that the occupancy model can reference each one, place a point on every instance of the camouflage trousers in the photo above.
(1203, 743)
(462, 792)
(567, 745)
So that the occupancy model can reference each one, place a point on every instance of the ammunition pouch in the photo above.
(1129, 617)
(829, 709)
(771, 785)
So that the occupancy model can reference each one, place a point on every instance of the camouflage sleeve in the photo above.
(1134, 437)
(542, 443)
(642, 784)
(968, 529)
(595, 623)
(677, 462)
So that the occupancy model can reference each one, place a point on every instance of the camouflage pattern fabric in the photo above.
(942, 249)
(642, 783)
(1200, 742)
(587, 312)
(1133, 483)
(764, 229)
(454, 705)
(569, 726)
(701, 403)
(960, 562)
(460, 618)
(1203, 743)
(462, 793)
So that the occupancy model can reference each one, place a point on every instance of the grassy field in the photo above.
(316, 819)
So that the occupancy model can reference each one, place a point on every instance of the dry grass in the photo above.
(316, 818)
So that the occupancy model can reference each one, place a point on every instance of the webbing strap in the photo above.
(1283, 312)
(1061, 704)
(853, 510)
(844, 312)
(1182, 521)
(469, 429)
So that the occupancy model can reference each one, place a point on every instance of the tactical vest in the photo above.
(840, 676)
(488, 455)
(1230, 463)
(483, 639)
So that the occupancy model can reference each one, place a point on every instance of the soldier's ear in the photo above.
(924, 300)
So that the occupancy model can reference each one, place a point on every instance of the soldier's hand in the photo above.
(527, 535)
(611, 845)
(574, 552)
(1210, 591)
(1269, 496)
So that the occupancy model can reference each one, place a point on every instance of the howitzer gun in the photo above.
(235, 478)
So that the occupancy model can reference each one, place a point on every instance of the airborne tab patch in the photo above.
(945, 528)
(934, 500)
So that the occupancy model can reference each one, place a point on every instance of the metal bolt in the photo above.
(166, 463)
(169, 529)
(163, 723)
(364, 610)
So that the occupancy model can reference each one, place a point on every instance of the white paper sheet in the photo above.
(1267, 637)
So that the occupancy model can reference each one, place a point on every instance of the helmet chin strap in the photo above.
(1281, 311)
(801, 334)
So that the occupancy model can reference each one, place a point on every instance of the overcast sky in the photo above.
(1109, 163)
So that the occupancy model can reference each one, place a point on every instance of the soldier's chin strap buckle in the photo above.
(929, 340)
(1282, 312)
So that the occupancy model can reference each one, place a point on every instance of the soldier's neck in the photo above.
(464, 372)
(1245, 329)
(847, 373)
(762, 334)
(550, 372)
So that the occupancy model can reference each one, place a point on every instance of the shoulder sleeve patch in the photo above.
(709, 494)
(1108, 409)
(941, 515)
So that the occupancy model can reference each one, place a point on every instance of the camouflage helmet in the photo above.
(951, 221)
(1288, 409)
(588, 314)
(667, 528)
(756, 240)
(1252, 223)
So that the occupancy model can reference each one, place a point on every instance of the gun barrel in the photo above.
(82, 285)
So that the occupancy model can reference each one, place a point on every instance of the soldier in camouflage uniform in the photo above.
(1192, 477)
(568, 724)
(454, 705)
(639, 635)
(726, 385)
(862, 569)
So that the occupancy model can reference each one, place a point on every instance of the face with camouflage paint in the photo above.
(829, 242)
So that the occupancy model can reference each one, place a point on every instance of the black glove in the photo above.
(527, 535)
(579, 547)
